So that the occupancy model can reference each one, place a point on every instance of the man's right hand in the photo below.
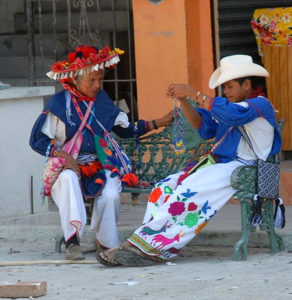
(70, 163)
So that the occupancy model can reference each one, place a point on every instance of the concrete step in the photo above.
(224, 230)
(104, 19)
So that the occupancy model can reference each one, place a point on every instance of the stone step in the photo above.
(105, 22)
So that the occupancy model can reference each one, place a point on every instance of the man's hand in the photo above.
(70, 163)
(180, 91)
(165, 120)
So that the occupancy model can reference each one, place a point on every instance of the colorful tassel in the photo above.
(256, 218)
(279, 216)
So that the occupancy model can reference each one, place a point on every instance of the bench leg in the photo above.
(241, 246)
(135, 198)
(268, 219)
(60, 240)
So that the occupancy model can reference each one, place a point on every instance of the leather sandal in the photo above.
(110, 260)
(132, 257)
(99, 248)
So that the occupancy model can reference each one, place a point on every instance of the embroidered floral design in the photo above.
(176, 208)
(167, 190)
(166, 198)
(155, 195)
(191, 220)
(272, 26)
(192, 206)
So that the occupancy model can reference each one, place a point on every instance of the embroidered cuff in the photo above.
(147, 126)
(211, 104)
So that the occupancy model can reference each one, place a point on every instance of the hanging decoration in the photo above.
(178, 142)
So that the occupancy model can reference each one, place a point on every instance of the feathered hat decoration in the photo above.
(83, 60)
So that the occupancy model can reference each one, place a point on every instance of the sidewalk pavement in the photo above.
(204, 269)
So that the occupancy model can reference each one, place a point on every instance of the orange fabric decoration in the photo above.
(91, 168)
(155, 195)
(99, 181)
(166, 198)
(200, 227)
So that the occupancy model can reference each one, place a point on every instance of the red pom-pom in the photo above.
(71, 57)
(130, 180)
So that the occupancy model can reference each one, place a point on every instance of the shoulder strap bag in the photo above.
(268, 173)
(55, 165)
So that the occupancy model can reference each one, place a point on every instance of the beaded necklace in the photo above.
(178, 142)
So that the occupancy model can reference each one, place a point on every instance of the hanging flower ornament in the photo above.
(84, 60)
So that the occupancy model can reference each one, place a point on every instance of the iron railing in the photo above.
(92, 22)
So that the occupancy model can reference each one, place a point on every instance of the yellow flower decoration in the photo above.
(119, 51)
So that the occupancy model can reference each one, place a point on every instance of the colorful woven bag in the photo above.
(55, 165)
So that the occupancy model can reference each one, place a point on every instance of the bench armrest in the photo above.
(244, 179)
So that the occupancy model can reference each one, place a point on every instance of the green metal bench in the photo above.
(243, 179)
(155, 159)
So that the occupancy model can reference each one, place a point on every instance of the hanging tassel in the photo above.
(279, 216)
(178, 142)
(256, 218)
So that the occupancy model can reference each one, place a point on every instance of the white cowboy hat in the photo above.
(235, 66)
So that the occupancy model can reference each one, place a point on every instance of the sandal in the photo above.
(132, 257)
(110, 261)
(99, 248)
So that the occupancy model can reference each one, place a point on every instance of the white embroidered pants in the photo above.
(67, 195)
(175, 214)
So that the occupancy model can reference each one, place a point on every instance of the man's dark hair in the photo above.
(255, 81)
